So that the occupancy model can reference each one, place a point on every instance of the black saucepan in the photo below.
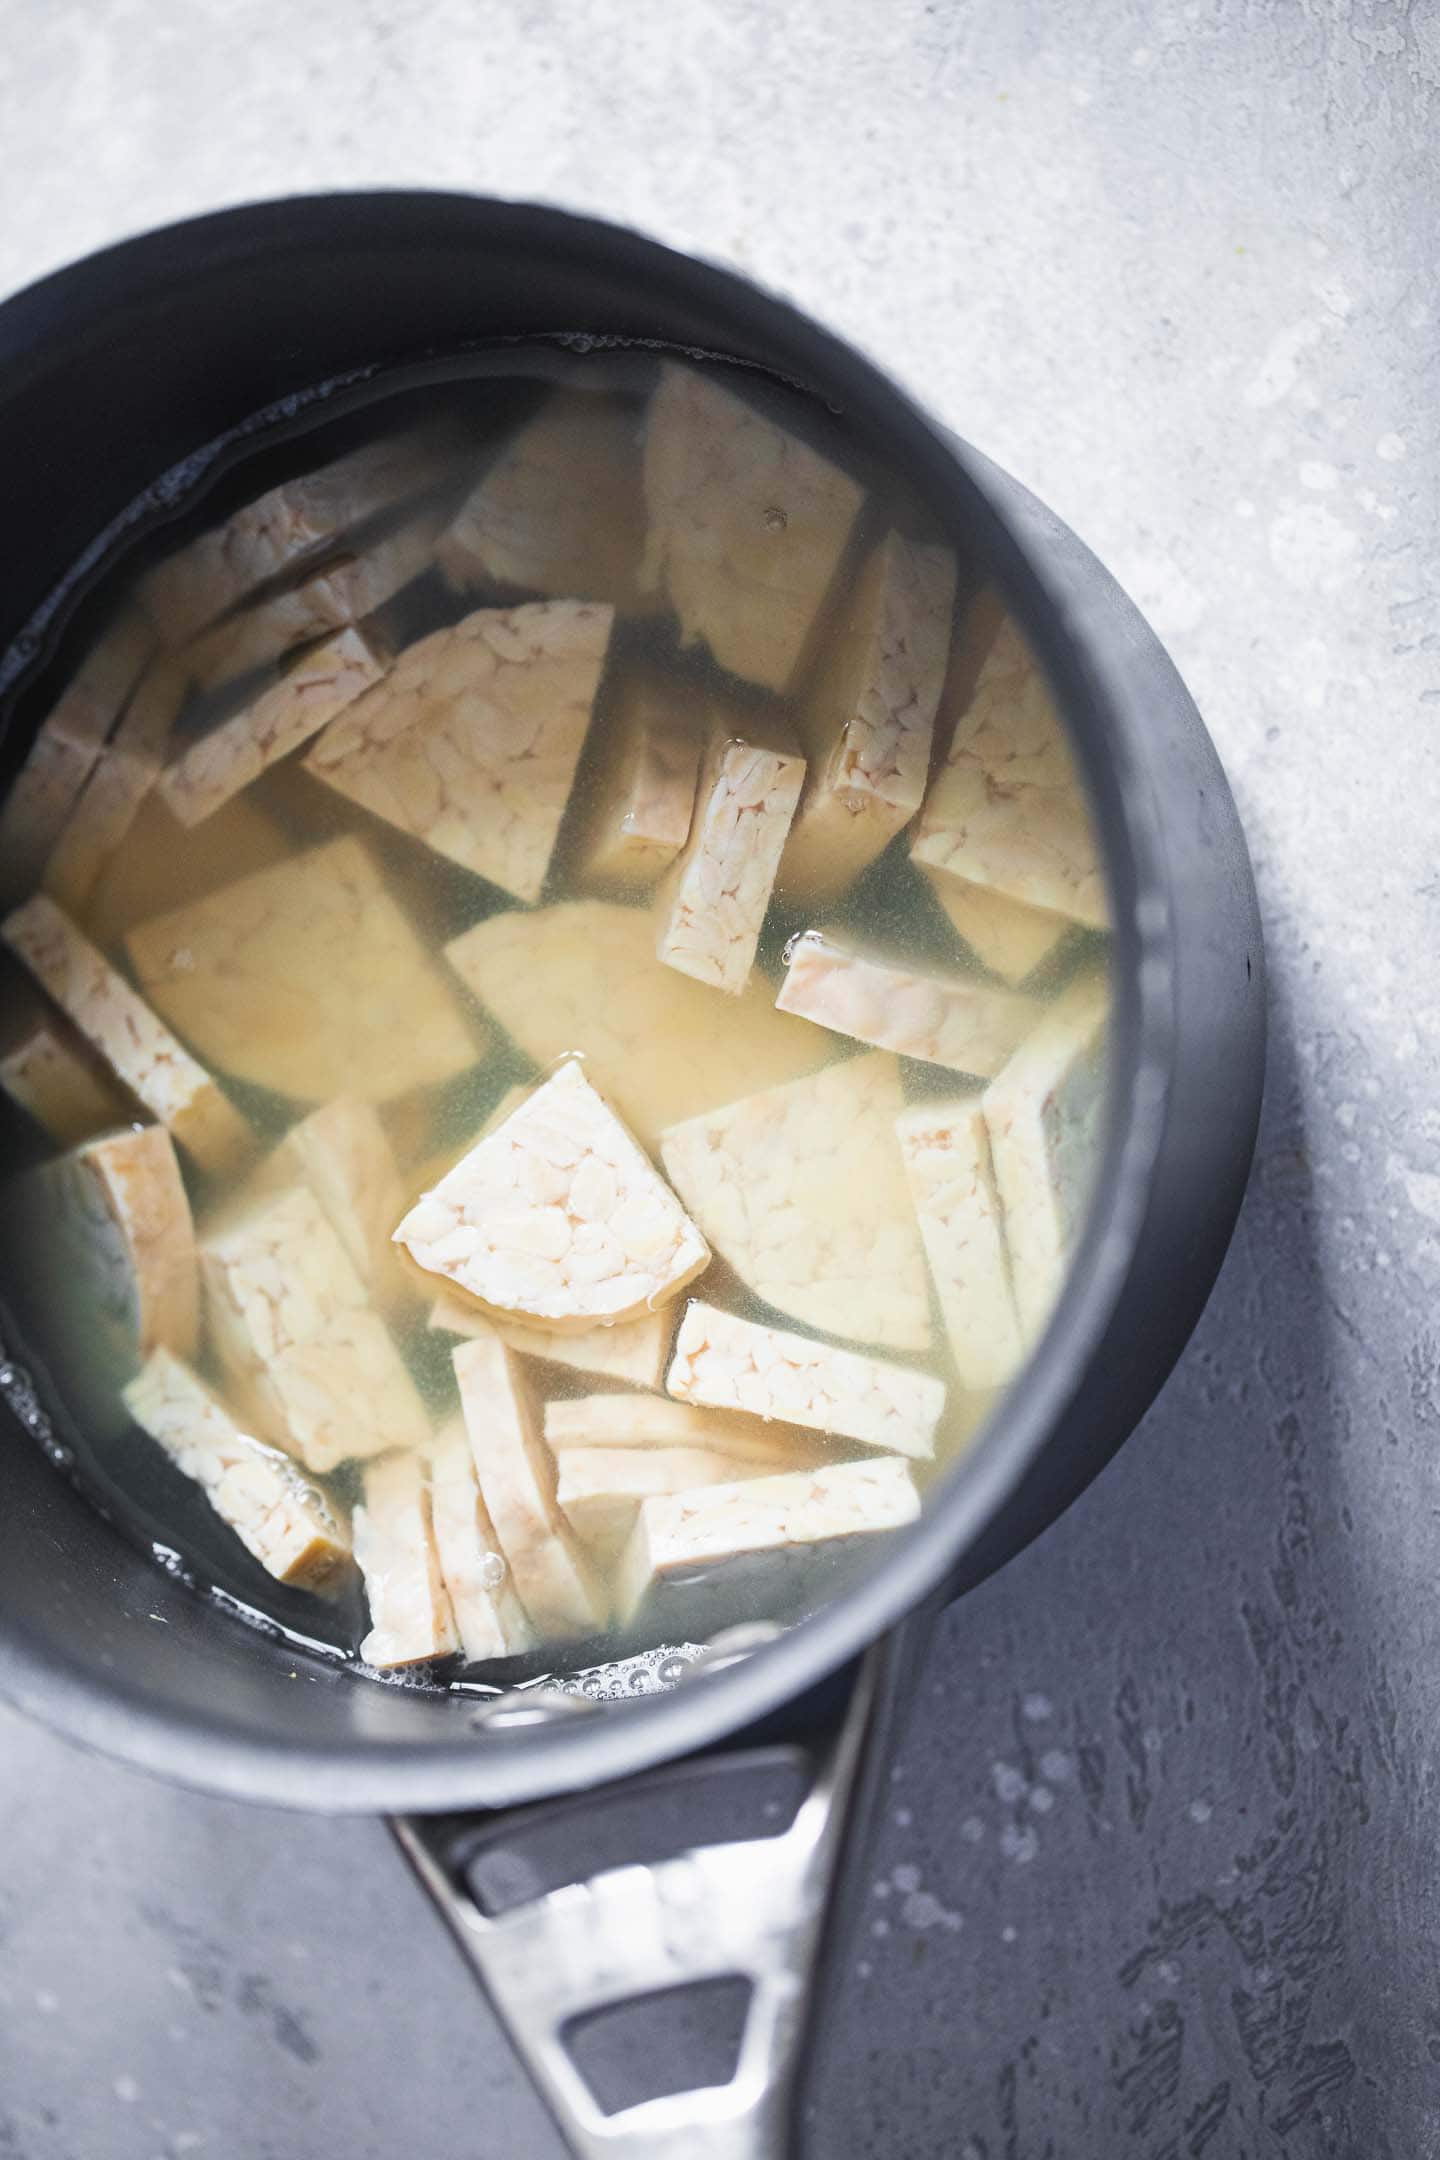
(124, 368)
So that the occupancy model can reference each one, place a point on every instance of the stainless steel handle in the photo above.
(753, 1908)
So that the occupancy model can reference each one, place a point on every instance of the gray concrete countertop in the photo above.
(1157, 1877)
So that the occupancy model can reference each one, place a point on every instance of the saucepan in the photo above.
(598, 1845)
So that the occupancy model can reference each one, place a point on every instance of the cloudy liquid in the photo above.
(70, 1325)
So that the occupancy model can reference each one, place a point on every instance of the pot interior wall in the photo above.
(190, 332)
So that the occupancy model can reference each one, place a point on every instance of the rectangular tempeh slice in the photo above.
(609, 1422)
(1044, 1113)
(490, 1619)
(50, 1072)
(1006, 809)
(747, 525)
(62, 756)
(726, 1549)
(125, 1208)
(124, 775)
(642, 794)
(584, 973)
(308, 695)
(866, 718)
(342, 1153)
(633, 1350)
(835, 980)
(136, 1045)
(299, 518)
(470, 744)
(946, 1150)
(301, 1348)
(551, 1573)
(559, 511)
(600, 1489)
(412, 1621)
(380, 570)
(557, 1217)
(307, 978)
(733, 1364)
(1005, 935)
(289, 1525)
(335, 598)
(801, 1189)
(711, 905)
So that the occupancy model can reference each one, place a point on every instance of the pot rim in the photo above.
(504, 1768)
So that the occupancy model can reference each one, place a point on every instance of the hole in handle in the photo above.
(710, 1800)
(679, 2039)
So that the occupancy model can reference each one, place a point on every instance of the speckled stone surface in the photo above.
(1158, 1876)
